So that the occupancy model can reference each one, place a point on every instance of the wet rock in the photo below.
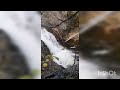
(69, 73)
(52, 66)
(55, 71)
(62, 24)
(45, 51)
(12, 62)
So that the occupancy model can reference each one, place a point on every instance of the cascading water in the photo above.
(87, 69)
(65, 57)
(23, 28)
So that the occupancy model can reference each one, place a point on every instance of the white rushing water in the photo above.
(87, 70)
(66, 57)
(23, 28)
(90, 70)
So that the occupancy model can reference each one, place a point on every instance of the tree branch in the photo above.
(66, 19)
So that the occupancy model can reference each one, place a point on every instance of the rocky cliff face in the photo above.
(12, 62)
(62, 24)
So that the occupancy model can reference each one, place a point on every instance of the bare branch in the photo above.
(66, 19)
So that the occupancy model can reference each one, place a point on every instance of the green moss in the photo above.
(50, 57)
(26, 77)
(45, 65)
(47, 60)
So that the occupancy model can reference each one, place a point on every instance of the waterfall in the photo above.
(23, 28)
(65, 57)
(88, 70)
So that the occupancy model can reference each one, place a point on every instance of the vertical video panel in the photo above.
(99, 45)
(20, 54)
(59, 51)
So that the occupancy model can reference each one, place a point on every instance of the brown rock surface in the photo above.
(62, 24)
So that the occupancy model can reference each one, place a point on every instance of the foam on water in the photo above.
(65, 57)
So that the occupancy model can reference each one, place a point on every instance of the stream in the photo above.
(65, 57)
